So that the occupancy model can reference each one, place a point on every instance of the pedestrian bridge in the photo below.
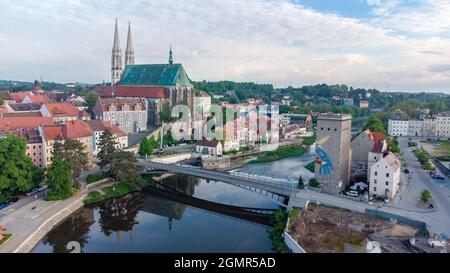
(278, 189)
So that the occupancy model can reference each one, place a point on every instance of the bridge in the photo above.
(259, 215)
(275, 189)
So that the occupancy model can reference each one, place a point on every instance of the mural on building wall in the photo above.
(322, 158)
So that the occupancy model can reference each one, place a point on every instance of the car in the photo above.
(352, 193)
(42, 188)
(13, 200)
(437, 176)
(406, 171)
(431, 173)
(3, 205)
(32, 191)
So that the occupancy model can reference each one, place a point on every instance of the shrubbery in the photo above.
(94, 177)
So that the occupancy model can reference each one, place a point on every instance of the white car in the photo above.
(352, 193)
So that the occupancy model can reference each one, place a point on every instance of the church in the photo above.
(158, 84)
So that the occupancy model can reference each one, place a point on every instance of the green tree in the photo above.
(166, 113)
(313, 182)
(375, 124)
(38, 175)
(300, 182)
(124, 167)
(145, 147)
(72, 151)
(15, 167)
(91, 99)
(59, 179)
(107, 145)
(425, 196)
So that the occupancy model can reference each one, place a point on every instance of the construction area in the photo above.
(323, 229)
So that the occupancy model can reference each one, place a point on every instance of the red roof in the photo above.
(16, 96)
(392, 160)
(377, 136)
(152, 92)
(17, 123)
(64, 109)
(39, 98)
(100, 126)
(70, 130)
(208, 143)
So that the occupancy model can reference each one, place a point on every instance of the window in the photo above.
(387, 175)
(374, 181)
(376, 173)
(387, 183)
(374, 188)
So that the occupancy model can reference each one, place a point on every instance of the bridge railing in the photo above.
(267, 179)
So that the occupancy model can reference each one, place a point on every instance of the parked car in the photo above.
(3, 205)
(352, 193)
(42, 188)
(13, 200)
(431, 173)
(406, 171)
(32, 191)
(437, 176)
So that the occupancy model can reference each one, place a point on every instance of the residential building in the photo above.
(398, 127)
(286, 100)
(23, 107)
(12, 124)
(130, 115)
(361, 146)
(334, 155)
(363, 104)
(384, 177)
(74, 129)
(62, 112)
(35, 147)
(437, 126)
(98, 127)
(304, 120)
(209, 147)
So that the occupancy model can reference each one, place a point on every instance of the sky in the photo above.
(392, 45)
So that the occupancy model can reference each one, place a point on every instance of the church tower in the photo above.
(129, 52)
(170, 56)
(116, 59)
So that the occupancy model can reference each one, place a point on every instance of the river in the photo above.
(144, 223)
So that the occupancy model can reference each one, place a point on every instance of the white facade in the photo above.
(231, 145)
(209, 150)
(122, 141)
(398, 127)
(438, 126)
(384, 177)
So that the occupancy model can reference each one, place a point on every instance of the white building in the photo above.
(384, 176)
(209, 147)
(398, 127)
(98, 127)
(438, 126)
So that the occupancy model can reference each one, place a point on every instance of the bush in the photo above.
(77, 186)
(310, 166)
(56, 197)
(276, 234)
(425, 196)
(309, 140)
(428, 166)
(94, 177)
(313, 182)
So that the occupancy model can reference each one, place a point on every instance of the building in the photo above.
(209, 147)
(437, 126)
(158, 84)
(304, 120)
(334, 155)
(384, 177)
(23, 107)
(348, 101)
(130, 115)
(204, 103)
(12, 124)
(361, 146)
(98, 127)
(74, 129)
(286, 100)
(35, 147)
(363, 104)
(63, 111)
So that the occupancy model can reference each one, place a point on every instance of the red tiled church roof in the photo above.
(151, 92)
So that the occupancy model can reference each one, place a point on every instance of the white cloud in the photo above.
(266, 41)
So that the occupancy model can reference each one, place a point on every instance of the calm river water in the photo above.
(143, 223)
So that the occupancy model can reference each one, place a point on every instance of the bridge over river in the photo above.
(273, 188)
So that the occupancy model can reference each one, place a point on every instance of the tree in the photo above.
(145, 147)
(59, 179)
(107, 145)
(72, 151)
(425, 196)
(313, 182)
(91, 99)
(300, 182)
(375, 124)
(15, 167)
(38, 175)
(166, 113)
(124, 167)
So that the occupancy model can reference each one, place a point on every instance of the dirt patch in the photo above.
(323, 229)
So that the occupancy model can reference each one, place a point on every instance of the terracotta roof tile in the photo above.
(17, 123)
(133, 91)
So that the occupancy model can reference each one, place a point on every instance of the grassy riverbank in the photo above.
(279, 154)
(5, 238)
(117, 190)
(276, 234)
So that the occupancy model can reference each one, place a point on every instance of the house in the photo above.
(363, 104)
(35, 147)
(348, 101)
(73, 129)
(362, 145)
(209, 147)
(63, 111)
(11, 124)
(384, 177)
(23, 107)
(286, 100)
(98, 127)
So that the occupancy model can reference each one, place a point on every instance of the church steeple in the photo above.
(116, 58)
(129, 52)
(170, 56)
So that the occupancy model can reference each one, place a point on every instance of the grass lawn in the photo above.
(438, 151)
(6, 237)
(279, 154)
(115, 191)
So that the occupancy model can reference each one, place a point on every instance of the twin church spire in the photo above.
(117, 67)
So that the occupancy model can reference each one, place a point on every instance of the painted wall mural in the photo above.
(322, 158)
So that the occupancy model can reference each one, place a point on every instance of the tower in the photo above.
(170, 56)
(116, 59)
(333, 160)
(129, 52)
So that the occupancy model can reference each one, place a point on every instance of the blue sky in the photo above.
(402, 44)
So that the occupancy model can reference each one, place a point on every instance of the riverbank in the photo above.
(281, 153)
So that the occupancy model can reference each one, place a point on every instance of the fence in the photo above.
(402, 220)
